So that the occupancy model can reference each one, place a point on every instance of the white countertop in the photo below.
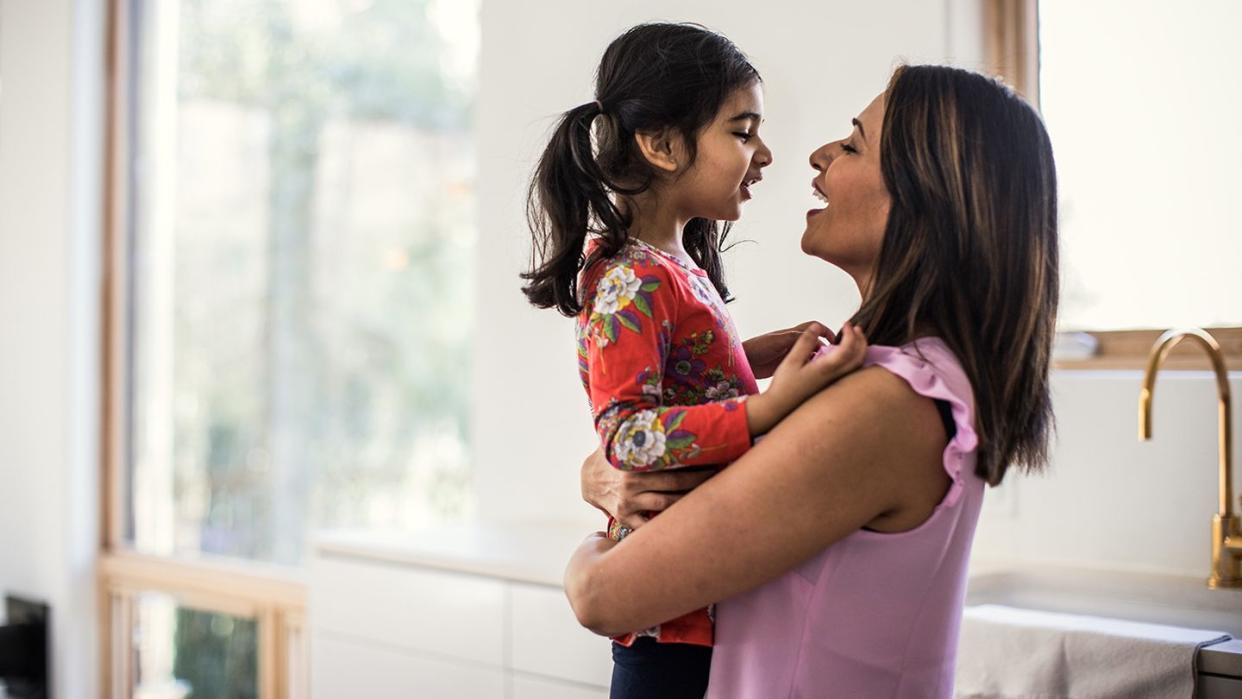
(523, 552)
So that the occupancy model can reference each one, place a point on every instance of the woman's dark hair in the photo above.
(651, 78)
(970, 252)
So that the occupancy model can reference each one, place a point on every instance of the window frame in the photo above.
(274, 596)
(1011, 52)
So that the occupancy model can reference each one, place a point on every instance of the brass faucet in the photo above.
(1226, 532)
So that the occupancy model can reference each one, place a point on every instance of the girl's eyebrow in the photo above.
(747, 115)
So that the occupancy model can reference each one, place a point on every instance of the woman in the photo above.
(840, 542)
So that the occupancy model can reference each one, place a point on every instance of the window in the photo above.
(1137, 101)
(291, 205)
(1134, 100)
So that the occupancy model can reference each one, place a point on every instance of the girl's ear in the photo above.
(660, 148)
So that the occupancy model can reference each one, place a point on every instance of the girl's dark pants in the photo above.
(651, 670)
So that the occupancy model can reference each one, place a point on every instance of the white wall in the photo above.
(51, 68)
(822, 62)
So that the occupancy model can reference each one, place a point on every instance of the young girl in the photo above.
(624, 208)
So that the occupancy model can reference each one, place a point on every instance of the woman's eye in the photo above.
(848, 148)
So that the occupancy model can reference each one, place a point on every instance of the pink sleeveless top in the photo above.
(873, 615)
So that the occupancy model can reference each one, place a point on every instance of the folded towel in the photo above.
(1009, 652)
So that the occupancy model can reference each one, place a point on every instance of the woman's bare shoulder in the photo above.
(893, 435)
(882, 397)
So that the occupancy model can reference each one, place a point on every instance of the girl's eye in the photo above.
(744, 136)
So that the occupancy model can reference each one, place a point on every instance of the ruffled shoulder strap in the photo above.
(932, 370)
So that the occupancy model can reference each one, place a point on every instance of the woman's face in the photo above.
(849, 229)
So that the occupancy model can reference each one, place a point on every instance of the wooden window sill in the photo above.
(1128, 350)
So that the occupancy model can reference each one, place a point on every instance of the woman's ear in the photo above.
(659, 148)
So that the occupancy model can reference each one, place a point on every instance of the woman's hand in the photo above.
(765, 352)
(801, 374)
(632, 498)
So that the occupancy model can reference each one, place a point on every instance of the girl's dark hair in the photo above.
(970, 251)
(653, 77)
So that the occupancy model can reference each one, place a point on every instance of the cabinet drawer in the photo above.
(526, 687)
(1218, 687)
(346, 669)
(444, 614)
(548, 641)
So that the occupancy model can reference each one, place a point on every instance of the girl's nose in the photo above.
(763, 156)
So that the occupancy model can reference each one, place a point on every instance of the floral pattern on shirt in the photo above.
(619, 297)
(652, 346)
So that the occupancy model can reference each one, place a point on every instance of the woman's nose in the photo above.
(821, 158)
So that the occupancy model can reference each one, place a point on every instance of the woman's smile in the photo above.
(818, 194)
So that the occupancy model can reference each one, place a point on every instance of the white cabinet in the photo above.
(391, 627)
(547, 639)
(343, 668)
(437, 612)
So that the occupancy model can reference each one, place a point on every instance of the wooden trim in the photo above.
(271, 652)
(204, 582)
(1128, 349)
(115, 273)
(114, 617)
(275, 597)
(120, 685)
(1011, 44)
(106, 650)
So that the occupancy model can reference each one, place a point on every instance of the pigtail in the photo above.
(568, 198)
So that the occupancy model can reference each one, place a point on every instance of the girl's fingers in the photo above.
(806, 345)
(848, 355)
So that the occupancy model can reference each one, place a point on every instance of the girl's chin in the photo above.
(730, 213)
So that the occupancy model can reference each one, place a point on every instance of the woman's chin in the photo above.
(805, 243)
(812, 244)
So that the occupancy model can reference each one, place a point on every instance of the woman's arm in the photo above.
(859, 450)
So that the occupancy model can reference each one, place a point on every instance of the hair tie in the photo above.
(600, 106)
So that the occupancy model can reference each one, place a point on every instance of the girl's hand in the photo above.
(632, 498)
(765, 352)
(798, 377)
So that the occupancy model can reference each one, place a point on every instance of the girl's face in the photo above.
(849, 229)
(730, 159)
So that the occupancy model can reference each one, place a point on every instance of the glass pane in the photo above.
(1143, 120)
(183, 653)
(303, 233)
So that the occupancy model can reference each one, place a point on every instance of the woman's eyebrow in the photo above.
(858, 124)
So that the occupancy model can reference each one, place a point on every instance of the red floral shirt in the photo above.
(666, 377)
